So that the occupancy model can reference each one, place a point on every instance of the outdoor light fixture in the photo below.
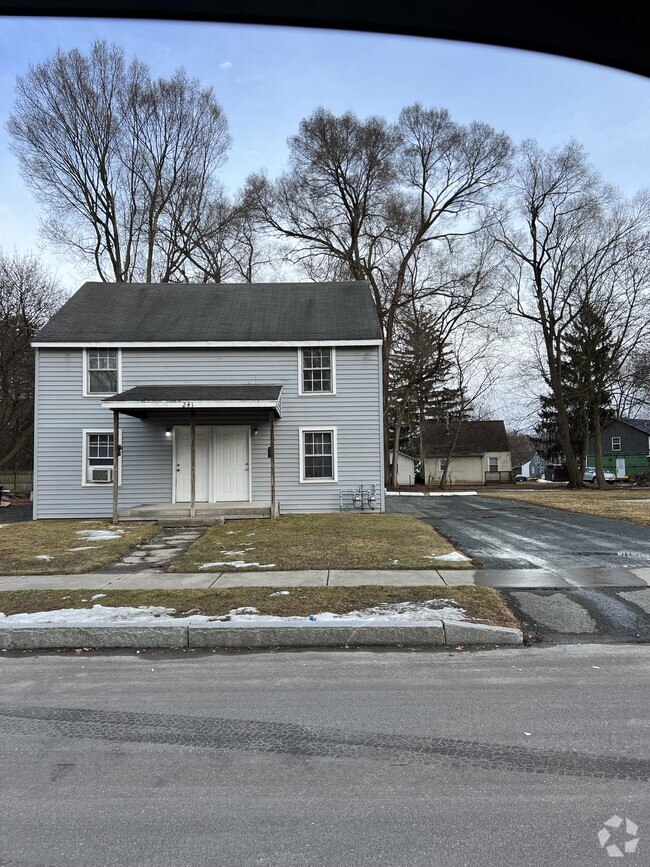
(168, 432)
(255, 431)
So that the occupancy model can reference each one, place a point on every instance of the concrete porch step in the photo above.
(178, 515)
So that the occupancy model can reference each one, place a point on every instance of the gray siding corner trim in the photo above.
(35, 467)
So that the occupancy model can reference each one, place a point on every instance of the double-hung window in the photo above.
(102, 371)
(493, 465)
(616, 444)
(318, 455)
(317, 375)
(98, 457)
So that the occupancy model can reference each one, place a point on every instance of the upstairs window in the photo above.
(317, 371)
(616, 444)
(102, 371)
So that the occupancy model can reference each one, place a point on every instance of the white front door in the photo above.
(231, 471)
(620, 468)
(222, 464)
(182, 470)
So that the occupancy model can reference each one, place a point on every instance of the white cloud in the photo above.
(225, 65)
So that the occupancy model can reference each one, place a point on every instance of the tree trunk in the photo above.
(598, 443)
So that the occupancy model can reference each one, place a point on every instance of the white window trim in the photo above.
(441, 468)
(85, 483)
(491, 458)
(318, 429)
(300, 379)
(87, 393)
(620, 445)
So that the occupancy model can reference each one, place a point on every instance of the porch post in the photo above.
(272, 456)
(192, 463)
(116, 460)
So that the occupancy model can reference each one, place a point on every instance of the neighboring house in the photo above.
(405, 468)
(533, 468)
(240, 396)
(481, 453)
(626, 447)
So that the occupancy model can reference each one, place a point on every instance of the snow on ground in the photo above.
(44, 557)
(433, 609)
(99, 535)
(453, 557)
(238, 564)
(85, 548)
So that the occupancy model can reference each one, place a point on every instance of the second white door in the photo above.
(222, 463)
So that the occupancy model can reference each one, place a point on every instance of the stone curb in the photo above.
(220, 634)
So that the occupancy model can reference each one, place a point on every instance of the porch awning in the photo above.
(145, 398)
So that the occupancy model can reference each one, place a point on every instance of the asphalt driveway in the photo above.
(502, 534)
(567, 577)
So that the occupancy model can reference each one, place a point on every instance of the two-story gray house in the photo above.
(223, 399)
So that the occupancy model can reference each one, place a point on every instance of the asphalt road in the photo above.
(504, 534)
(510, 757)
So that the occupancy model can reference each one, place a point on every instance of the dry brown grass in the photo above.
(22, 543)
(480, 603)
(329, 541)
(622, 505)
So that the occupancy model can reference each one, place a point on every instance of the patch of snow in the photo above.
(453, 557)
(250, 534)
(545, 482)
(432, 609)
(238, 564)
(44, 557)
(96, 614)
(86, 548)
(233, 553)
(98, 596)
(280, 593)
(100, 535)
(394, 562)
(232, 532)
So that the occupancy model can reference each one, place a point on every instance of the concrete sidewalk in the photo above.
(525, 579)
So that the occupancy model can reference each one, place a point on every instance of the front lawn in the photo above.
(631, 506)
(329, 541)
(65, 547)
(480, 603)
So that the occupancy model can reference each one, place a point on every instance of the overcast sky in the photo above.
(268, 78)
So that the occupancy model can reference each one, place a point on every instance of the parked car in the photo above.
(590, 476)
(521, 478)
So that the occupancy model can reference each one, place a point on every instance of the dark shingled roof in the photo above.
(642, 424)
(242, 312)
(179, 393)
(474, 438)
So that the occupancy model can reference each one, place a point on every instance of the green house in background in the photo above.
(626, 447)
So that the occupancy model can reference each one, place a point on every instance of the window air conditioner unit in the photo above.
(101, 474)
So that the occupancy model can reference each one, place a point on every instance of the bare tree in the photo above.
(121, 162)
(29, 295)
(475, 370)
(366, 200)
(554, 202)
(616, 296)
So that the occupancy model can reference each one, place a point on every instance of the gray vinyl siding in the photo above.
(147, 472)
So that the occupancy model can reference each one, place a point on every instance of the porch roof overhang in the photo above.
(144, 399)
